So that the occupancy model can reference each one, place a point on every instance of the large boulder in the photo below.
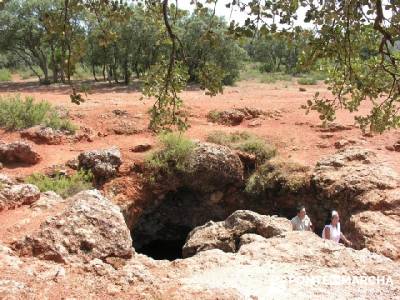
(103, 163)
(352, 171)
(226, 235)
(212, 166)
(43, 135)
(12, 196)
(366, 193)
(90, 227)
(18, 152)
(377, 232)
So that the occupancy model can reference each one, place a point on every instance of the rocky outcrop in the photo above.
(43, 135)
(18, 152)
(226, 235)
(212, 166)
(12, 196)
(230, 117)
(351, 172)
(367, 195)
(377, 232)
(90, 227)
(104, 164)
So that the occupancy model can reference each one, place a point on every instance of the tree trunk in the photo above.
(54, 64)
(94, 72)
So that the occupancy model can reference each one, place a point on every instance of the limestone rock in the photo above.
(43, 135)
(16, 195)
(230, 117)
(103, 163)
(46, 200)
(351, 172)
(211, 166)
(18, 152)
(141, 147)
(376, 231)
(226, 235)
(91, 227)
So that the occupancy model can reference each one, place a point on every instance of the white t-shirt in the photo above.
(334, 232)
(301, 225)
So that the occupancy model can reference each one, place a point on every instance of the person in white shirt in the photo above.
(332, 231)
(301, 222)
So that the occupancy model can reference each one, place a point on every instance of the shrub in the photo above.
(65, 186)
(307, 81)
(278, 175)
(173, 154)
(245, 142)
(214, 116)
(5, 75)
(16, 113)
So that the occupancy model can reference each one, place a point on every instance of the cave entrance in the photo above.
(161, 231)
(166, 243)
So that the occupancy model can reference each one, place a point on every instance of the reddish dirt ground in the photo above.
(294, 134)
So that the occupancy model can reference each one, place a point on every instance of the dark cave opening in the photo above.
(163, 249)
(167, 243)
(162, 229)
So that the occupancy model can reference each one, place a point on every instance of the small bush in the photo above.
(307, 81)
(54, 121)
(16, 113)
(173, 155)
(5, 75)
(278, 175)
(214, 116)
(65, 186)
(245, 142)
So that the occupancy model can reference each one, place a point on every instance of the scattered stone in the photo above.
(18, 152)
(255, 123)
(334, 127)
(73, 164)
(43, 135)
(301, 89)
(125, 128)
(104, 164)
(251, 113)
(120, 112)
(17, 195)
(226, 235)
(91, 227)
(141, 148)
(227, 117)
(343, 143)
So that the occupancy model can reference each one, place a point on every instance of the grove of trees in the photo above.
(354, 42)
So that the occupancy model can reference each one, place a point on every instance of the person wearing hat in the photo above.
(301, 222)
(332, 230)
